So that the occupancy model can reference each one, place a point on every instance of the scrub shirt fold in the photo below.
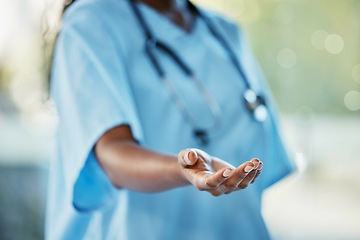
(101, 72)
(278, 159)
(89, 103)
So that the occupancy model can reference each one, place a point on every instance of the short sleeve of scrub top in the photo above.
(86, 62)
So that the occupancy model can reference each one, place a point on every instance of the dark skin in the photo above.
(176, 11)
(134, 167)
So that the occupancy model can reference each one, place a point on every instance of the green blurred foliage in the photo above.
(319, 79)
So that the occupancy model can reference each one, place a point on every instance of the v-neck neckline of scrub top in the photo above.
(163, 28)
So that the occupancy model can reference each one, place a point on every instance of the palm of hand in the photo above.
(216, 176)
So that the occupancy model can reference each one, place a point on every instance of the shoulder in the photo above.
(97, 25)
(102, 7)
(224, 23)
(91, 15)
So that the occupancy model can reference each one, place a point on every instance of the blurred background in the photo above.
(310, 53)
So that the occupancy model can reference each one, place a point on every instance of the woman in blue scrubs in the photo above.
(154, 111)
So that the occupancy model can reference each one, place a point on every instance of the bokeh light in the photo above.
(352, 100)
(237, 8)
(301, 162)
(334, 44)
(318, 39)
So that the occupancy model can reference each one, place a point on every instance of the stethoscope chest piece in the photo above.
(256, 105)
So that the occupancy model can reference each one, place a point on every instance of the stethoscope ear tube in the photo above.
(150, 44)
(165, 48)
(254, 103)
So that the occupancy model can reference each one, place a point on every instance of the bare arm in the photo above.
(131, 166)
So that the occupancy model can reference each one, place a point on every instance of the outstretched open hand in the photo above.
(216, 176)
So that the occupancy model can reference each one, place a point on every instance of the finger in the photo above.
(187, 157)
(258, 171)
(255, 177)
(239, 174)
(256, 162)
(214, 180)
(258, 165)
(252, 175)
(246, 181)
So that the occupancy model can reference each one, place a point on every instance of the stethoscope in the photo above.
(255, 103)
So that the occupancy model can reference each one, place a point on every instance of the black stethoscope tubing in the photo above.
(253, 102)
(151, 42)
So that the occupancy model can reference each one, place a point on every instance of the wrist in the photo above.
(182, 178)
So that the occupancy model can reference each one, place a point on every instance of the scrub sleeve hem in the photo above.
(93, 189)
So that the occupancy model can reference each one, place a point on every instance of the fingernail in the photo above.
(227, 173)
(260, 166)
(256, 162)
(195, 153)
(186, 157)
(248, 168)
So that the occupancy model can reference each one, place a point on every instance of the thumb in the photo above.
(187, 157)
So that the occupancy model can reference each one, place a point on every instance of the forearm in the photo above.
(131, 166)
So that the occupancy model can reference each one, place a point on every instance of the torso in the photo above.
(183, 213)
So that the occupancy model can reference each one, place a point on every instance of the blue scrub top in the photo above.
(102, 78)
